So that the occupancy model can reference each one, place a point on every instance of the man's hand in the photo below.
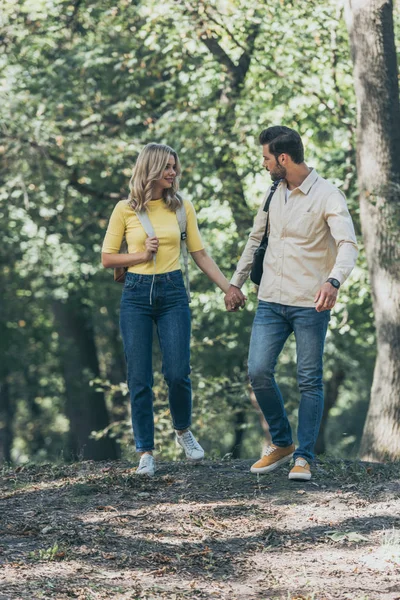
(234, 299)
(326, 297)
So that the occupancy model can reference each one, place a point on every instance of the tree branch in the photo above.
(74, 178)
(219, 53)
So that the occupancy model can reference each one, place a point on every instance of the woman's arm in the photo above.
(111, 260)
(209, 268)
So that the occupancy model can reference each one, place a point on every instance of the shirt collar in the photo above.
(309, 181)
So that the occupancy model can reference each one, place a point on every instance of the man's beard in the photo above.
(278, 173)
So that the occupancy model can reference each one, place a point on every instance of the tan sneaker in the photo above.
(274, 457)
(301, 470)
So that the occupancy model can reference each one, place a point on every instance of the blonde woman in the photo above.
(154, 293)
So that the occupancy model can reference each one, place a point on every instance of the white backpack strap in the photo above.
(146, 223)
(148, 227)
(182, 220)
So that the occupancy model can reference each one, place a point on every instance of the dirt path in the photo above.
(94, 531)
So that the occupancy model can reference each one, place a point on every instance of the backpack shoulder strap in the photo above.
(146, 223)
(271, 193)
(266, 208)
(144, 219)
(182, 220)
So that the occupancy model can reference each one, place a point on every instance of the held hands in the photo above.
(326, 297)
(151, 244)
(234, 299)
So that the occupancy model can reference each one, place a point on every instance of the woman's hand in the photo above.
(234, 299)
(151, 244)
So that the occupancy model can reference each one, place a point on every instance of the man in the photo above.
(311, 251)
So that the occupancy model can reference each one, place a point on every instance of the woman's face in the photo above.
(169, 173)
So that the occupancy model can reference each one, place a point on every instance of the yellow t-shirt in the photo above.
(124, 222)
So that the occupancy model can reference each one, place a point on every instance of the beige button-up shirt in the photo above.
(311, 238)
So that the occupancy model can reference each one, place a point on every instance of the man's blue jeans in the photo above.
(273, 323)
(169, 311)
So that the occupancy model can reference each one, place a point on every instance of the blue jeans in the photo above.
(273, 323)
(169, 311)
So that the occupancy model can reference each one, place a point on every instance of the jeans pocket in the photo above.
(176, 282)
(130, 284)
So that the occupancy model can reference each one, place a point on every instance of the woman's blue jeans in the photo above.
(168, 309)
(273, 323)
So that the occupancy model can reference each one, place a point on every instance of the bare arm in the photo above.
(209, 268)
(110, 261)
(129, 260)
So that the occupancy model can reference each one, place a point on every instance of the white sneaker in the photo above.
(191, 446)
(146, 465)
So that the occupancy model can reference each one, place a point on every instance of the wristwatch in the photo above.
(334, 282)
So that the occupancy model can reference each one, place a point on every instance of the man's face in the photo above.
(272, 164)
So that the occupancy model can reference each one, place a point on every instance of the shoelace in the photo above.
(269, 450)
(188, 438)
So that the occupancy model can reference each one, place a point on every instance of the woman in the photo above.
(154, 292)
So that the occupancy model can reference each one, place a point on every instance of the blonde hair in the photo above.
(149, 168)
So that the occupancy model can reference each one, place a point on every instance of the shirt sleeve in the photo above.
(193, 240)
(342, 230)
(115, 231)
(246, 260)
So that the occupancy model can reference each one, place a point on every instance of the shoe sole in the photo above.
(194, 460)
(141, 474)
(275, 465)
(300, 476)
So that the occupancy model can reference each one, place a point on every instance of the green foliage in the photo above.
(84, 86)
(48, 554)
(343, 536)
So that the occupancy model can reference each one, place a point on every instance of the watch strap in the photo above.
(334, 282)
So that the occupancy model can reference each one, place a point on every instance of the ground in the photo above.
(97, 530)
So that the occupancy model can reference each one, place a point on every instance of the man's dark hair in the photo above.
(281, 139)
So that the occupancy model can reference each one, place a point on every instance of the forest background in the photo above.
(84, 85)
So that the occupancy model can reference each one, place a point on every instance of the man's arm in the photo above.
(342, 229)
(341, 226)
(246, 260)
(234, 298)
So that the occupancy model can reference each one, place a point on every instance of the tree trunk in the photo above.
(85, 407)
(37, 440)
(6, 420)
(117, 374)
(240, 420)
(331, 396)
(370, 26)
